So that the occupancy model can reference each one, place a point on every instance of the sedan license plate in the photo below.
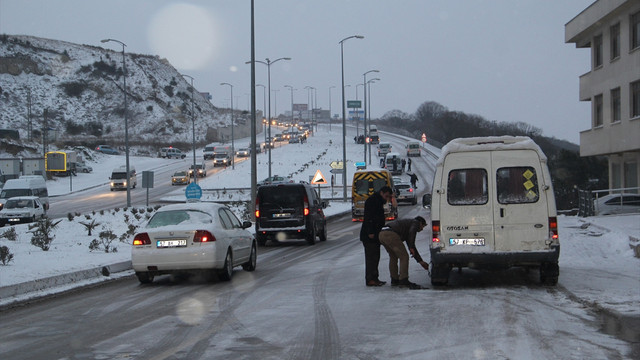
(472, 242)
(171, 243)
(283, 215)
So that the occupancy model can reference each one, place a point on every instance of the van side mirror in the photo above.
(325, 203)
(246, 224)
(426, 201)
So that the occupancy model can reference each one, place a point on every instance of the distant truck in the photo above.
(374, 138)
(29, 185)
(119, 178)
(413, 148)
(208, 151)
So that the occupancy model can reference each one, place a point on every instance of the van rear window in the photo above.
(362, 186)
(467, 187)
(517, 185)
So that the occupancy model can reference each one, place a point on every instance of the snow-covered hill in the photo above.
(81, 87)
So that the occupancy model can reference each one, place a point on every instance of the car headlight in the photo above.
(113, 184)
(124, 183)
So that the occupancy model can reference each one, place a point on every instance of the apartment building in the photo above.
(611, 30)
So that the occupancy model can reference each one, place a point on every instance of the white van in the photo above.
(393, 163)
(383, 149)
(119, 178)
(493, 206)
(413, 148)
(26, 185)
(208, 151)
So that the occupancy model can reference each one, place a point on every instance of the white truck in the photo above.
(492, 207)
(413, 148)
(119, 178)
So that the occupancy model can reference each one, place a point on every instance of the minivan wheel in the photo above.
(251, 264)
(261, 239)
(144, 277)
(311, 236)
(323, 233)
(227, 272)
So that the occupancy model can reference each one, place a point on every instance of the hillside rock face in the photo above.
(80, 87)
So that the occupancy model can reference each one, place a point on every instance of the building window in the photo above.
(597, 51)
(597, 111)
(615, 41)
(635, 30)
(615, 105)
(635, 99)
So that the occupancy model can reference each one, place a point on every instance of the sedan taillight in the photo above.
(203, 236)
(141, 239)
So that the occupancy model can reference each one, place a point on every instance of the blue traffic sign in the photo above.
(193, 191)
(361, 164)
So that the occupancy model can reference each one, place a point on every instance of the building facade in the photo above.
(611, 30)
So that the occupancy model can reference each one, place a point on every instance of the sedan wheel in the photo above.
(227, 272)
(251, 264)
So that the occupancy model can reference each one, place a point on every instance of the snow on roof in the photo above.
(490, 143)
(201, 206)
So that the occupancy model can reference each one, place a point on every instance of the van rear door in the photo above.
(520, 211)
(466, 206)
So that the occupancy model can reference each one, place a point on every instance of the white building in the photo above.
(611, 29)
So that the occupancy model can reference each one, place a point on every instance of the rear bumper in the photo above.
(406, 199)
(299, 232)
(176, 259)
(492, 259)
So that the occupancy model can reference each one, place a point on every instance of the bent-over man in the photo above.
(392, 237)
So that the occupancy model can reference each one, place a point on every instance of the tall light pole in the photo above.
(254, 160)
(310, 102)
(369, 111)
(292, 89)
(330, 87)
(233, 148)
(126, 120)
(365, 130)
(275, 103)
(344, 119)
(193, 125)
(264, 110)
(268, 64)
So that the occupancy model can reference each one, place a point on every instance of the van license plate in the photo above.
(171, 243)
(472, 242)
(284, 215)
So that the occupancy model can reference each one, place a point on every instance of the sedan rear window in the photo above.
(467, 187)
(517, 185)
(179, 217)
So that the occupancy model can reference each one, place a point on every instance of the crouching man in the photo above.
(392, 237)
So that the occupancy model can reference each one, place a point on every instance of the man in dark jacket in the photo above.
(391, 237)
(372, 224)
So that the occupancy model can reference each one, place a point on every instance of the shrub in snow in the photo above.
(101, 212)
(137, 216)
(10, 234)
(42, 233)
(149, 209)
(77, 214)
(126, 218)
(117, 209)
(5, 255)
(87, 216)
(157, 207)
(106, 238)
(89, 226)
(134, 211)
(70, 216)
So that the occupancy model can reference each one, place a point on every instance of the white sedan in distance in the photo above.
(193, 237)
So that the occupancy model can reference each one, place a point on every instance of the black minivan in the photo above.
(289, 211)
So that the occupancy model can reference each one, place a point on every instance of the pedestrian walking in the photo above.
(414, 180)
(371, 225)
(404, 163)
(392, 237)
(409, 165)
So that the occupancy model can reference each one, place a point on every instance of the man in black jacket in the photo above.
(391, 237)
(372, 224)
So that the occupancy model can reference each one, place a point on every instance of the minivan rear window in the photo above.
(281, 197)
(467, 187)
(517, 185)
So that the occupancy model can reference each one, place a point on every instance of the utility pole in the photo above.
(29, 124)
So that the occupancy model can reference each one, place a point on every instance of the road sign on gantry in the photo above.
(318, 179)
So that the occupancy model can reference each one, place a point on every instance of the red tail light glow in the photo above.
(257, 208)
(435, 229)
(203, 236)
(141, 239)
(410, 190)
(306, 205)
(553, 228)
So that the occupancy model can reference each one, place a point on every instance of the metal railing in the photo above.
(588, 204)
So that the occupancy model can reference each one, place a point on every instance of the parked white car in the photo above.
(21, 209)
(617, 204)
(192, 237)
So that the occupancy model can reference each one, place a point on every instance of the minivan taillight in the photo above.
(306, 205)
(203, 236)
(435, 229)
(257, 208)
(141, 239)
(553, 228)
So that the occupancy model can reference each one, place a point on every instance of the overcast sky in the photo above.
(505, 60)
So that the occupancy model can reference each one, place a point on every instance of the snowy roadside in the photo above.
(597, 264)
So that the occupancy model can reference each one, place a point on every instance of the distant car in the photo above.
(290, 211)
(617, 204)
(275, 179)
(193, 237)
(405, 193)
(258, 148)
(202, 170)
(279, 137)
(171, 153)
(269, 143)
(243, 152)
(83, 168)
(222, 159)
(180, 178)
(294, 140)
(21, 209)
(106, 149)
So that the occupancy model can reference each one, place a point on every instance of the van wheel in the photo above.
(311, 236)
(415, 201)
(440, 275)
(549, 273)
(144, 277)
(227, 272)
(323, 233)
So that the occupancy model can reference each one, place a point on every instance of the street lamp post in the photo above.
(126, 120)
(233, 148)
(310, 102)
(193, 125)
(291, 89)
(344, 119)
(330, 87)
(268, 64)
(365, 130)
(275, 103)
(264, 110)
(369, 111)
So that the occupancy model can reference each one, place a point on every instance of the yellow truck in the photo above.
(365, 184)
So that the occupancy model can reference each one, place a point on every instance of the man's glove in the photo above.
(424, 265)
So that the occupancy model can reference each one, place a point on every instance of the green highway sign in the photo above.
(354, 104)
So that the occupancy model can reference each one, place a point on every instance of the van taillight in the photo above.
(141, 239)
(257, 208)
(203, 236)
(435, 229)
(553, 228)
(306, 205)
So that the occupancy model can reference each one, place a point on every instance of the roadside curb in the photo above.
(14, 290)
